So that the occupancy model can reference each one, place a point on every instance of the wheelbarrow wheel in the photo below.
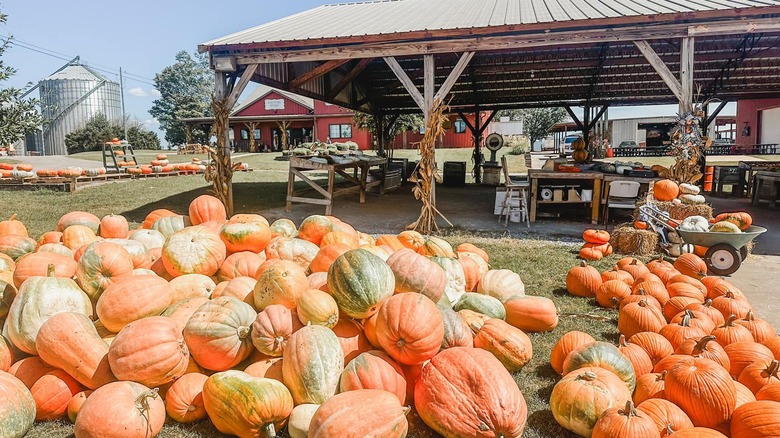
(744, 253)
(723, 259)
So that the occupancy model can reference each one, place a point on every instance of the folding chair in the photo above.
(622, 195)
(514, 188)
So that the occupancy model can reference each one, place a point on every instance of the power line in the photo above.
(64, 57)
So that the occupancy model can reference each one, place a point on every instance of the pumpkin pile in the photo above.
(692, 358)
(667, 190)
(596, 245)
(319, 329)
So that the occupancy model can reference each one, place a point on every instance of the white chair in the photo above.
(622, 195)
(514, 188)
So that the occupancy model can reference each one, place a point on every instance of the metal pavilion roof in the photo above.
(386, 17)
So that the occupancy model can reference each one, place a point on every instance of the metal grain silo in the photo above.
(72, 96)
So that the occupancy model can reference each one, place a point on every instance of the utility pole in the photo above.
(122, 94)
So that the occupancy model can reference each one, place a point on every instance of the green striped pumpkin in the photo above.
(484, 304)
(239, 404)
(312, 364)
(359, 281)
(602, 355)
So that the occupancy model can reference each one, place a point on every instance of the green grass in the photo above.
(543, 267)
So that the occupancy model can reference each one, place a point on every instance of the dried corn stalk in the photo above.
(688, 146)
(426, 175)
(220, 170)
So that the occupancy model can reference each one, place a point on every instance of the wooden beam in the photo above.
(687, 49)
(453, 76)
(407, 83)
(737, 27)
(349, 77)
(487, 122)
(597, 117)
(246, 76)
(659, 66)
(574, 117)
(429, 81)
(317, 72)
(472, 128)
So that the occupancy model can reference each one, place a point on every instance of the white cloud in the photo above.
(151, 123)
(156, 93)
(137, 92)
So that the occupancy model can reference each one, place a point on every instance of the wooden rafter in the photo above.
(446, 87)
(316, 72)
(574, 117)
(715, 113)
(406, 81)
(239, 87)
(655, 61)
(349, 77)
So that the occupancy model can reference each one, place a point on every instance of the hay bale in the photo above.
(628, 240)
(680, 211)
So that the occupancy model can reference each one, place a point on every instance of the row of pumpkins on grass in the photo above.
(693, 360)
(318, 328)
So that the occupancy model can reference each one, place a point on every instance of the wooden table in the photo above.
(357, 181)
(762, 179)
(564, 178)
(746, 171)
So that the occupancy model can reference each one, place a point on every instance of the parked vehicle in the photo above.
(628, 144)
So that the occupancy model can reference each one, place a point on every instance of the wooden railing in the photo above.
(756, 149)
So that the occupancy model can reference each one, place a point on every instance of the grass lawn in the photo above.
(543, 267)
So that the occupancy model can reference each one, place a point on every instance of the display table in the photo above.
(542, 178)
(355, 182)
(747, 169)
(763, 179)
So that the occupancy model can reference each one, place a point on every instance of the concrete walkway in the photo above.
(758, 279)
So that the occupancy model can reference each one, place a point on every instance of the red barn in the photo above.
(266, 111)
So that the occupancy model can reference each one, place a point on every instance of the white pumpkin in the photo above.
(39, 299)
(693, 199)
(689, 189)
(151, 239)
(456, 278)
(687, 249)
(676, 201)
(300, 419)
(695, 223)
(502, 284)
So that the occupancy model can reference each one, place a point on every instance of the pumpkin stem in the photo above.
(629, 410)
(750, 316)
(50, 270)
(243, 331)
(622, 342)
(406, 410)
(633, 262)
(583, 264)
(686, 320)
(142, 401)
(773, 368)
(707, 303)
(669, 430)
(615, 302)
(269, 430)
(587, 376)
(702, 345)
(662, 376)
(730, 321)
(13, 217)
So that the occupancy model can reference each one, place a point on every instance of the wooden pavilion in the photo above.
(403, 56)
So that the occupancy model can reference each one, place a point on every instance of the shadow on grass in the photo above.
(544, 424)
(247, 198)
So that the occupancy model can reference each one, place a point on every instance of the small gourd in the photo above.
(695, 223)
(692, 199)
(689, 189)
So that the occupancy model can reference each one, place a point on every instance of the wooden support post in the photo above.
(686, 74)
(429, 81)
(380, 132)
(477, 133)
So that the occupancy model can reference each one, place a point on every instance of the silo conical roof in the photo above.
(76, 72)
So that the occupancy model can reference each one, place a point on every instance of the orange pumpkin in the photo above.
(665, 190)
(155, 215)
(599, 237)
(52, 393)
(649, 386)
(102, 264)
(691, 265)
(703, 389)
(759, 374)
(245, 236)
(611, 292)
(531, 314)
(583, 280)
(468, 247)
(655, 345)
(114, 226)
(590, 254)
(206, 208)
(121, 409)
(281, 283)
(314, 228)
(416, 273)
(363, 412)
(707, 348)
(184, 399)
(193, 250)
(754, 419)
(410, 328)
(667, 417)
(13, 226)
(565, 345)
(624, 421)
(240, 264)
(37, 265)
(217, 334)
(75, 404)
(352, 338)
(390, 241)
(326, 256)
(78, 218)
(411, 239)
(272, 328)
(374, 370)
(132, 298)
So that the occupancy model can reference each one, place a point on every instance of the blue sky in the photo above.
(142, 37)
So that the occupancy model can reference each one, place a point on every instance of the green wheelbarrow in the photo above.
(726, 251)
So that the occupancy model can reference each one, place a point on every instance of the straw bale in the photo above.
(629, 240)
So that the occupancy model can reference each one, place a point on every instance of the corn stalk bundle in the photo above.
(220, 170)
(426, 175)
(688, 146)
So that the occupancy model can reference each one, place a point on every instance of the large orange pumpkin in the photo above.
(317, 307)
(206, 208)
(193, 250)
(37, 265)
(759, 374)
(624, 421)
(69, 341)
(102, 264)
(121, 410)
(184, 399)
(217, 334)
(655, 345)
(468, 392)
(374, 370)
(360, 413)
(599, 237)
(240, 264)
(703, 389)
(410, 328)
(75, 404)
(640, 316)
(15, 246)
(468, 247)
(132, 298)
(756, 419)
(639, 358)
(707, 348)
(416, 273)
(114, 226)
(742, 354)
(272, 328)
(650, 385)
(569, 342)
(411, 239)
(281, 283)
(583, 280)
(666, 415)
(245, 236)
(314, 228)
(13, 226)
(326, 256)
(531, 314)
(691, 265)
(509, 345)
(666, 190)
(52, 393)
(150, 351)
(79, 218)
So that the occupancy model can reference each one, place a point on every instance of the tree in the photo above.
(18, 116)
(393, 124)
(99, 130)
(537, 122)
(185, 92)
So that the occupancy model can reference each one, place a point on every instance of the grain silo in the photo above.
(72, 96)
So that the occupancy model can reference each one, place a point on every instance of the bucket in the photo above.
(709, 173)
(610, 152)
(587, 195)
(515, 215)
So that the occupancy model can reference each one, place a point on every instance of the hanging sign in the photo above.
(274, 104)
